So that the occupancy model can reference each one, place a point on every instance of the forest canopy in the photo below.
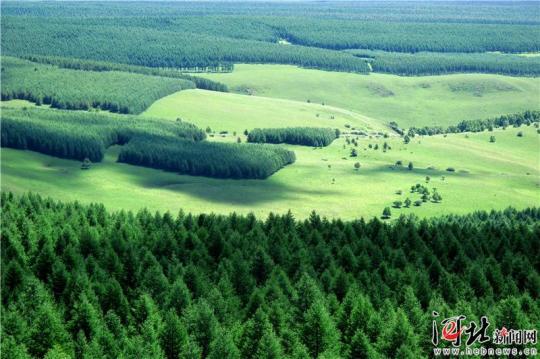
(80, 281)
(81, 90)
(215, 35)
(434, 63)
(89, 65)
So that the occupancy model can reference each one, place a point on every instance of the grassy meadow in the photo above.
(409, 101)
(235, 113)
(488, 175)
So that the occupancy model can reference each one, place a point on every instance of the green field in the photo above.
(410, 101)
(488, 175)
(233, 112)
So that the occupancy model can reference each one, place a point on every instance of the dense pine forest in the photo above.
(434, 63)
(209, 159)
(306, 136)
(89, 65)
(309, 35)
(80, 90)
(79, 281)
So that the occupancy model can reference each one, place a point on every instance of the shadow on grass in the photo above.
(235, 192)
(68, 175)
(431, 172)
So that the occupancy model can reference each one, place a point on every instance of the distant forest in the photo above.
(81, 90)
(213, 36)
(435, 63)
(81, 282)
(89, 65)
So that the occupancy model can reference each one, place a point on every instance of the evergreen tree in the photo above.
(269, 346)
(47, 331)
(407, 202)
(223, 347)
(202, 325)
(173, 337)
(319, 332)
(361, 348)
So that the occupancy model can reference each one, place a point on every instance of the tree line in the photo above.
(525, 118)
(100, 66)
(409, 37)
(82, 282)
(210, 159)
(434, 63)
(305, 136)
(82, 90)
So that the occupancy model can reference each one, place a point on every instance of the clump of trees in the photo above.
(419, 38)
(423, 191)
(81, 281)
(516, 120)
(211, 159)
(206, 47)
(306, 136)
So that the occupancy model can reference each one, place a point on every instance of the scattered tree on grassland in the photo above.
(436, 197)
(86, 164)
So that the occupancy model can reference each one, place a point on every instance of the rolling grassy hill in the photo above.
(410, 101)
(234, 112)
(488, 175)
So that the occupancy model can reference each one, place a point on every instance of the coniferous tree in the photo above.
(223, 347)
(173, 337)
(319, 332)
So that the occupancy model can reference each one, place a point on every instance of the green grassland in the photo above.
(410, 101)
(488, 175)
(234, 112)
